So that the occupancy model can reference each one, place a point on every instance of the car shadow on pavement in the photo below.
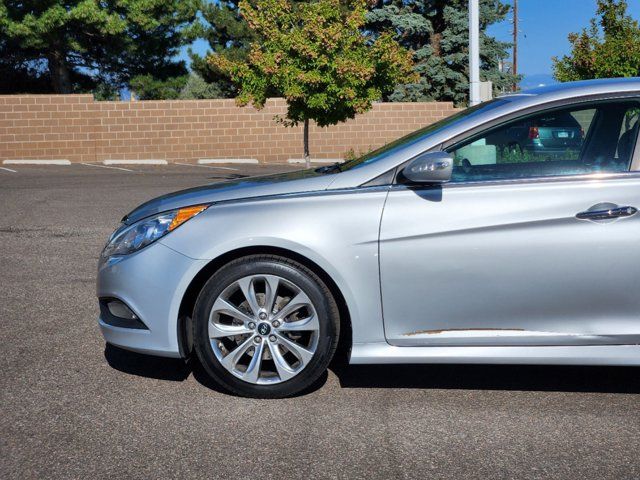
(465, 377)
(173, 369)
(492, 377)
(133, 363)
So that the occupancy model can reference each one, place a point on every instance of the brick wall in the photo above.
(79, 129)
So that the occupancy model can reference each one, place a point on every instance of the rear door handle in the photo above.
(606, 211)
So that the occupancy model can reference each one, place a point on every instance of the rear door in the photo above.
(520, 249)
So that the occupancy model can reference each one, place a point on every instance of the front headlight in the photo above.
(131, 238)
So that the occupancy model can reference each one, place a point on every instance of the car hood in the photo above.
(249, 187)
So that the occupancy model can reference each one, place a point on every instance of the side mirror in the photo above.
(432, 167)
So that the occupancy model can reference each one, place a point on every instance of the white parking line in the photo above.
(105, 166)
(8, 169)
(206, 166)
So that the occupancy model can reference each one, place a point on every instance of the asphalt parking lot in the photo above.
(72, 408)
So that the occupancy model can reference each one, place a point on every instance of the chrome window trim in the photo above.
(590, 177)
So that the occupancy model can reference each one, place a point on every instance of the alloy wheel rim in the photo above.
(263, 329)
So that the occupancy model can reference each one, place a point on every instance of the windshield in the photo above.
(419, 135)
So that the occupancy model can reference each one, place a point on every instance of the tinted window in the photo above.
(570, 141)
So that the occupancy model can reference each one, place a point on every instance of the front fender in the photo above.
(337, 231)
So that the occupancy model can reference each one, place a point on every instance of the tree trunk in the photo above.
(307, 159)
(59, 72)
(436, 43)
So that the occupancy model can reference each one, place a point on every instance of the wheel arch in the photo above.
(187, 304)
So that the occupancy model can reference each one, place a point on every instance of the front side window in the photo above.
(594, 138)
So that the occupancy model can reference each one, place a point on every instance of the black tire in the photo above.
(323, 302)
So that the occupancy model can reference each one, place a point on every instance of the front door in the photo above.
(523, 247)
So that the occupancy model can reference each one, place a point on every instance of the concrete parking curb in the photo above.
(205, 161)
(135, 162)
(36, 162)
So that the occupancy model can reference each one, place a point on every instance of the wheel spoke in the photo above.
(218, 330)
(297, 302)
(305, 325)
(232, 358)
(226, 308)
(271, 290)
(284, 370)
(253, 370)
(249, 292)
(299, 351)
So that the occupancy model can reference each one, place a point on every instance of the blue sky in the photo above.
(544, 26)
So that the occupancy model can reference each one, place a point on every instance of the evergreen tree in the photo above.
(437, 32)
(196, 88)
(148, 87)
(89, 45)
(227, 33)
(17, 73)
(609, 48)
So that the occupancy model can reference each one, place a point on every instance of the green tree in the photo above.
(610, 47)
(227, 33)
(197, 88)
(83, 45)
(148, 87)
(315, 55)
(437, 33)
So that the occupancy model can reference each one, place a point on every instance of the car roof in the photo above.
(567, 90)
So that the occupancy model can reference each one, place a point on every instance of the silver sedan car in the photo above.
(446, 246)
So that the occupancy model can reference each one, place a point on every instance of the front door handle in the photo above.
(606, 211)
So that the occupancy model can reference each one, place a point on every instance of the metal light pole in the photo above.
(515, 42)
(474, 52)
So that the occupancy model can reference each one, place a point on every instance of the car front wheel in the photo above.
(265, 326)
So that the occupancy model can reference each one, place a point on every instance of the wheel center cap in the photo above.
(264, 328)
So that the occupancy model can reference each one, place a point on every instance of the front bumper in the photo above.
(152, 283)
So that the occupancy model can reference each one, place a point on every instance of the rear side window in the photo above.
(569, 141)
